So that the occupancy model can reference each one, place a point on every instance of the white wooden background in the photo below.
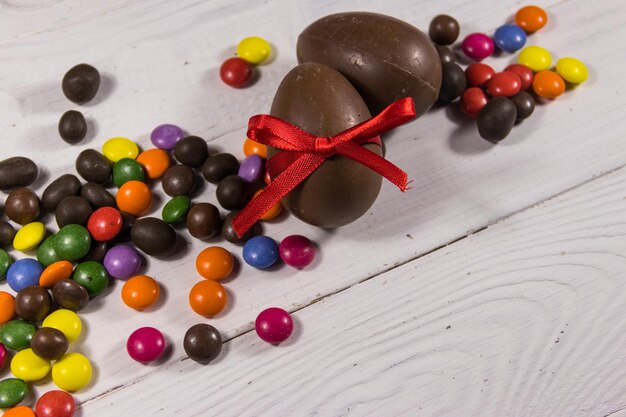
(496, 287)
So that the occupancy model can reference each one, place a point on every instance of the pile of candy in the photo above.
(498, 100)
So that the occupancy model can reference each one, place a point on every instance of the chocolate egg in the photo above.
(385, 58)
(321, 101)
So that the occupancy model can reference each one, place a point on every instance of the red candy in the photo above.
(472, 101)
(478, 74)
(104, 224)
(505, 84)
(236, 72)
(55, 403)
(297, 251)
(524, 73)
(274, 325)
(145, 344)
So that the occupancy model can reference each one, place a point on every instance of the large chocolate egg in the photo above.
(385, 58)
(321, 101)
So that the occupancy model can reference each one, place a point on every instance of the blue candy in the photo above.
(24, 273)
(260, 252)
(509, 38)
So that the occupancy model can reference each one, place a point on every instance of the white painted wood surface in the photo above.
(159, 60)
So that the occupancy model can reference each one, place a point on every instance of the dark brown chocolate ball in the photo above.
(219, 166)
(496, 119)
(65, 186)
(97, 251)
(153, 236)
(7, 233)
(178, 180)
(229, 233)
(22, 206)
(72, 210)
(445, 54)
(202, 343)
(17, 171)
(203, 221)
(93, 166)
(49, 343)
(231, 192)
(453, 83)
(72, 127)
(80, 84)
(70, 294)
(32, 303)
(191, 151)
(97, 195)
(525, 105)
(444, 29)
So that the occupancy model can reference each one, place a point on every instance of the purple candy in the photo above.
(166, 136)
(122, 261)
(251, 168)
(478, 46)
(297, 251)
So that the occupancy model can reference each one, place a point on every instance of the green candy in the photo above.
(176, 209)
(93, 276)
(72, 242)
(127, 169)
(5, 263)
(16, 334)
(46, 254)
(12, 392)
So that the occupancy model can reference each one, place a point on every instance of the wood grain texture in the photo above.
(159, 60)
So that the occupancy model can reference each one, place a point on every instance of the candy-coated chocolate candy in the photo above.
(55, 272)
(548, 84)
(49, 344)
(97, 251)
(32, 303)
(202, 343)
(297, 251)
(535, 57)
(29, 236)
(178, 180)
(219, 166)
(215, 262)
(231, 192)
(524, 103)
(272, 212)
(17, 334)
(93, 166)
(72, 242)
(127, 169)
(229, 234)
(572, 70)
(72, 372)
(19, 411)
(504, 84)
(104, 224)
(97, 195)
(153, 236)
(496, 119)
(531, 18)
(176, 209)
(17, 171)
(134, 198)
(72, 210)
(72, 127)
(251, 168)
(203, 221)
(445, 54)
(260, 252)
(23, 273)
(251, 147)
(64, 186)
(145, 344)
(115, 149)
(478, 46)
(71, 295)
(22, 206)
(254, 49)
(154, 162)
(12, 392)
(477, 74)
(66, 321)
(93, 276)
(140, 292)
(7, 307)
(236, 72)
(27, 366)
(208, 298)
(443, 29)
(80, 83)
(4, 355)
(122, 261)
(191, 151)
(5, 263)
(472, 101)
(55, 403)
(7, 233)
(524, 73)
(46, 254)
(509, 37)
(453, 83)
(274, 325)
(165, 136)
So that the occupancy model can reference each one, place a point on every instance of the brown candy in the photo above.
(444, 29)
(191, 151)
(65, 186)
(49, 343)
(80, 84)
(231, 192)
(153, 236)
(219, 166)
(202, 343)
(93, 166)
(32, 303)
(70, 294)
(22, 206)
(72, 210)
(229, 233)
(72, 127)
(203, 221)
(97, 195)
(7, 233)
(178, 180)
(17, 172)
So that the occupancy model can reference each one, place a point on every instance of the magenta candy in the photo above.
(122, 261)
(145, 344)
(274, 325)
(478, 46)
(297, 251)
(3, 356)
(251, 168)
(165, 136)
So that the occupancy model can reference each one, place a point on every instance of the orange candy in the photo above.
(272, 212)
(207, 298)
(7, 307)
(55, 272)
(134, 197)
(141, 291)
(19, 411)
(155, 162)
(531, 18)
(251, 147)
(215, 263)
(548, 84)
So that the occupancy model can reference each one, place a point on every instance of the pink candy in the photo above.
(478, 46)
(145, 344)
(274, 325)
(297, 251)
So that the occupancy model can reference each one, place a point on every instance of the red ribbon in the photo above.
(302, 153)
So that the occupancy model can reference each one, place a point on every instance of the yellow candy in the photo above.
(28, 366)
(117, 148)
(254, 49)
(65, 321)
(72, 372)
(535, 57)
(29, 236)
(572, 70)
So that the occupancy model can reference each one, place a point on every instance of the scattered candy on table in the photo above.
(23, 273)
(115, 149)
(94, 277)
(33, 303)
(165, 136)
(548, 84)
(17, 334)
(176, 209)
(535, 57)
(12, 392)
(28, 237)
(251, 168)
(55, 272)
(236, 72)
(572, 70)
(122, 261)
(154, 162)
(509, 38)
(27, 366)
(49, 343)
(251, 147)
(134, 197)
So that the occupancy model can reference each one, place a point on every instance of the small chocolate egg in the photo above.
(153, 236)
(191, 151)
(219, 166)
(496, 119)
(80, 84)
(453, 83)
(22, 206)
(203, 221)
(178, 180)
(64, 186)
(230, 235)
(231, 192)
(72, 127)
(93, 166)
(17, 171)
(525, 105)
(97, 195)
(72, 210)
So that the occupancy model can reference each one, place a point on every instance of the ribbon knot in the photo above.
(302, 153)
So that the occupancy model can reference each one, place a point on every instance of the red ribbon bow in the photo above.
(302, 153)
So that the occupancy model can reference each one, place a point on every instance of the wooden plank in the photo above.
(526, 318)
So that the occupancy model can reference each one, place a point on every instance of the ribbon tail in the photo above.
(375, 163)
